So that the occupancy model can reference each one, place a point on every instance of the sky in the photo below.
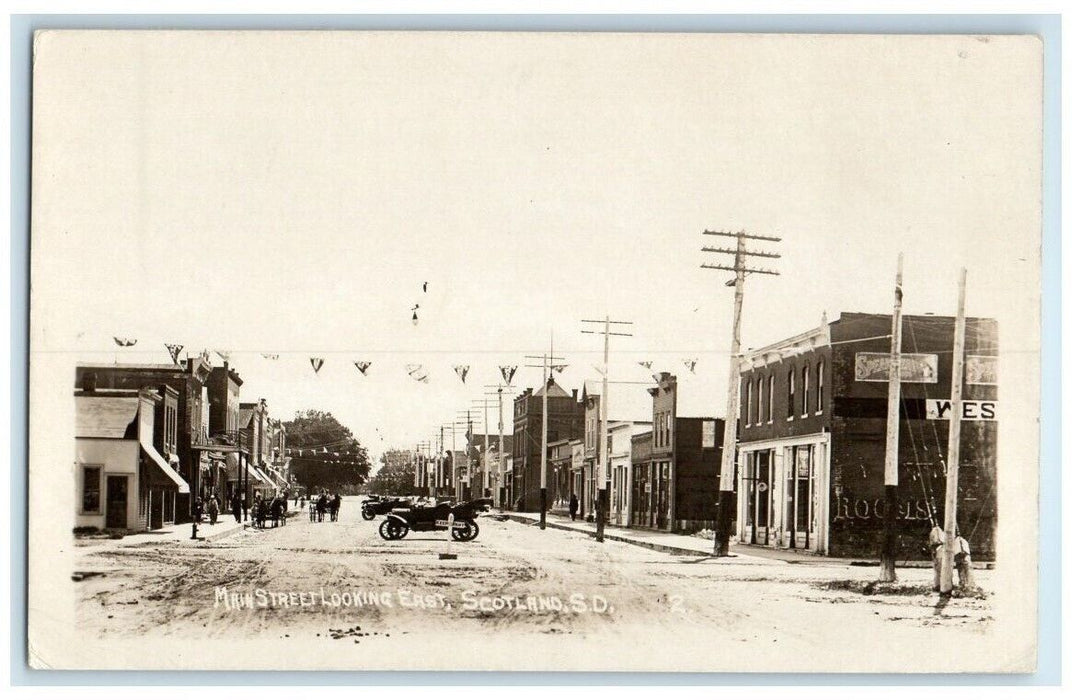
(290, 193)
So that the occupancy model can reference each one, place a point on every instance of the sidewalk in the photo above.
(176, 534)
(692, 546)
(651, 539)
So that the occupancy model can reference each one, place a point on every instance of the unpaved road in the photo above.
(340, 581)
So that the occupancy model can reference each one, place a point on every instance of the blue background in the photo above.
(1048, 27)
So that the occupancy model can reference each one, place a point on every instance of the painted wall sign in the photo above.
(918, 368)
(708, 433)
(981, 369)
(942, 409)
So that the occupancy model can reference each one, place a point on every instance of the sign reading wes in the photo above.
(942, 409)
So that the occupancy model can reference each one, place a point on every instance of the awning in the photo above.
(258, 475)
(171, 476)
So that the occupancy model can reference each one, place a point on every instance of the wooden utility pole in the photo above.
(485, 466)
(729, 442)
(952, 468)
(603, 449)
(545, 363)
(888, 561)
(500, 475)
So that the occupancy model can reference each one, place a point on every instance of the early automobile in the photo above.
(460, 519)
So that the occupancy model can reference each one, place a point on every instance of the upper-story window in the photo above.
(819, 387)
(770, 398)
(748, 402)
(805, 375)
(791, 393)
(760, 389)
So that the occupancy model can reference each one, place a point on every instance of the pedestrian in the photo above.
(199, 510)
(213, 508)
(574, 505)
(336, 504)
(236, 507)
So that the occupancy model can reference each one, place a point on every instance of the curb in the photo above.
(665, 548)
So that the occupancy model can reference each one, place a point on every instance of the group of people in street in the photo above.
(272, 508)
(263, 508)
(325, 504)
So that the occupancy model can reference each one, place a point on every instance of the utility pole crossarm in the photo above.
(731, 251)
(742, 234)
(758, 270)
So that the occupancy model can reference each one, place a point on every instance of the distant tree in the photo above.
(325, 454)
(393, 479)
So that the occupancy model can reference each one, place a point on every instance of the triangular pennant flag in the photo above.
(225, 355)
(559, 368)
(507, 372)
(317, 363)
(174, 350)
(269, 355)
(646, 364)
(125, 342)
(462, 370)
(691, 364)
(363, 366)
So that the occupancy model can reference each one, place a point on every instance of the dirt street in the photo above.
(340, 581)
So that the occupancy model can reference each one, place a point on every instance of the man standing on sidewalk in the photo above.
(236, 507)
(574, 504)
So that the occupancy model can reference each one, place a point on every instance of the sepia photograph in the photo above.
(523, 351)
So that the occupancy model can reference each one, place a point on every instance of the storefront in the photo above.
(783, 492)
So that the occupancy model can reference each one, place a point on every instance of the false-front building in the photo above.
(812, 437)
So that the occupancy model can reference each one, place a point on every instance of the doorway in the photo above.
(116, 513)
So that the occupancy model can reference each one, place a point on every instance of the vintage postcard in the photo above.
(534, 351)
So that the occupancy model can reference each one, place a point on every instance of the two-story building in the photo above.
(679, 489)
(812, 438)
(626, 405)
(189, 382)
(122, 479)
(565, 417)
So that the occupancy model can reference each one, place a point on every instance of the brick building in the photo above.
(189, 382)
(812, 438)
(677, 490)
(565, 421)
